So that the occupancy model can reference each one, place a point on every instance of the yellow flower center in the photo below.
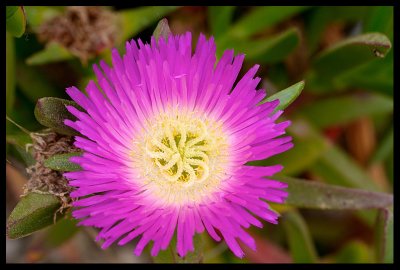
(182, 156)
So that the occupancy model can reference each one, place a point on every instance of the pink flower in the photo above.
(166, 136)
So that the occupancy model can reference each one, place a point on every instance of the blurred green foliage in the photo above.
(343, 54)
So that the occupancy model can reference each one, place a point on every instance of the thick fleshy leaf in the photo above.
(53, 52)
(51, 112)
(384, 236)
(269, 49)
(61, 162)
(219, 18)
(300, 242)
(162, 29)
(342, 110)
(316, 195)
(135, 20)
(10, 72)
(344, 56)
(33, 212)
(286, 96)
(15, 20)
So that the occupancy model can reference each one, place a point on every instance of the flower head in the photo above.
(166, 136)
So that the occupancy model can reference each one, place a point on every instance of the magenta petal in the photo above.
(126, 187)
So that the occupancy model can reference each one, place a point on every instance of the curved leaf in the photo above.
(61, 162)
(51, 112)
(344, 56)
(15, 20)
(286, 96)
(33, 212)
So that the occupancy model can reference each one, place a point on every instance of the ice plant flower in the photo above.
(166, 136)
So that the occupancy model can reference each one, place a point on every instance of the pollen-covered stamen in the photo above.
(182, 153)
(181, 156)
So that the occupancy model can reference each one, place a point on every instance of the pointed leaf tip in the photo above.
(61, 162)
(162, 29)
(286, 96)
(15, 20)
(33, 212)
(51, 112)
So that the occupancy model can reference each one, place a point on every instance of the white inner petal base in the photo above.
(181, 156)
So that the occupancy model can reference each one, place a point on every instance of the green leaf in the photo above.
(260, 18)
(384, 236)
(385, 147)
(51, 112)
(15, 20)
(33, 83)
(354, 252)
(53, 52)
(286, 96)
(10, 72)
(162, 29)
(269, 49)
(219, 19)
(135, 20)
(309, 145)
(376, 75)
(336, 167)
(300, 242)
(33, 212)
(342, 110)
(316, 195)
(37, 15)
(380, 20)
(61, 162)
(61, 232)
(346, 55)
